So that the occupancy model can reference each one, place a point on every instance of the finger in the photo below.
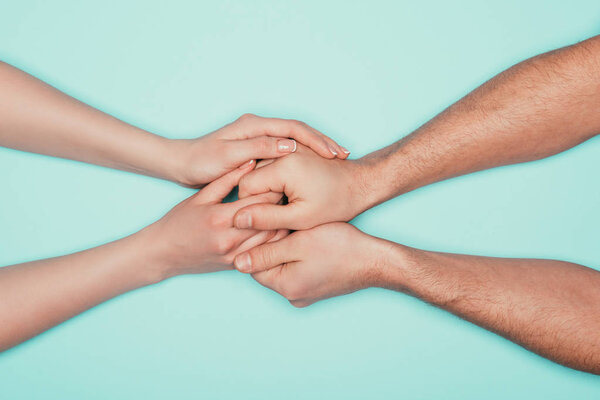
(266, 179)
(336, 149)
(254, 126)
(264, 198)
(265, 256)
(242, 192)
(260, 148)
(265, 162)
(255, 240)
(269, 278)
(280, 234)
(268, 216)
(218, 189)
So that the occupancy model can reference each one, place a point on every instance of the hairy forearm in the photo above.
(549, 307)
(535, 109)
(38, 118)
(38, 295)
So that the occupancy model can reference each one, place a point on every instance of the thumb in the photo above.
(218, 189)
(266, 256)
(268, 217)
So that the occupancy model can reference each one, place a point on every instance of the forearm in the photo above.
(549, 307)
(38, 295)
(535, 109)
(38, 118)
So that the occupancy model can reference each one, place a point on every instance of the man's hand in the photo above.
(198, 236)
(308, 266)
(318, 191)
(250, 137)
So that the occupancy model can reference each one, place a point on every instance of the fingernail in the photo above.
(345, 150)
(332, 150)
(286, 145)
(243, 220)
(246, 164)
(243, 262)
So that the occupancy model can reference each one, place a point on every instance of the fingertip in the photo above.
(325, 152)
(340, 151)
(345, 153)
(243, 219)
(243, 263)
(247, 165)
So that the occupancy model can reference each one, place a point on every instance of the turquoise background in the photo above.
(364, 73)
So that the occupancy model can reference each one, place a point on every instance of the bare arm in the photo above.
(38, 295)
(38, 118)
(535, 109)
(194, 237)
(549, 307)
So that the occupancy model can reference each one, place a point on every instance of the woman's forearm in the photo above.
(547, 306)
(38, 118)
(38, 295)
(194, 237)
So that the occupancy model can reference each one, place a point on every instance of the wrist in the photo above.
(175, 163)
(365, 184)
(156, 262)
(390, 265)
(149, 154)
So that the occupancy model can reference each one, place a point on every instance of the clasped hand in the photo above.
(324, 257)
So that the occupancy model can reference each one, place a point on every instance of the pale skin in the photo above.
(196, 236)
(38, 118)
(533, 110)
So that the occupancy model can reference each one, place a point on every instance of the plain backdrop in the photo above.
(365, 73)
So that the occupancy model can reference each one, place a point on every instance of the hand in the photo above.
(198, 236)
(308, 266)
(248, 138)
(318, 191)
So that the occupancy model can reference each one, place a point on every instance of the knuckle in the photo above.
(299, 303)
(223, 246)
(266, 144)
(260, 257)
(246, 117)
(293, 291)
(293, 126)
(228, 258)
(297, 123)
(217, 220)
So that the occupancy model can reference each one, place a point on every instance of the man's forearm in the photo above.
(549, 307)
(535, 109)
(38, 118)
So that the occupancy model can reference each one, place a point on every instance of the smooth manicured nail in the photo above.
(243, 262)
(246, 164)
(243, 220)
(332, 150)
(345, 150)
(286, 145)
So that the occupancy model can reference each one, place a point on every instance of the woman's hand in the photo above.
(200, 161)
(198, 236)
